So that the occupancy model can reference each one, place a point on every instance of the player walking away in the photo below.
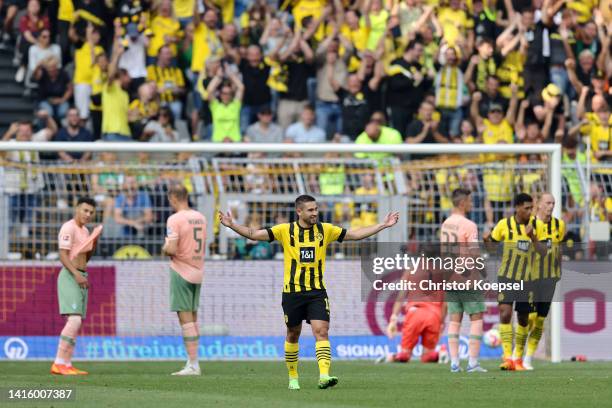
(547, 270)
(304, 244)
(185, 244)
(518, 233)
(424, 317)
(75, 248)
(460, 230)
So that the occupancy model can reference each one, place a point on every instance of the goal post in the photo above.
(553, 165)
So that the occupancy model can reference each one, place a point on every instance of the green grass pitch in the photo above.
(362, 384)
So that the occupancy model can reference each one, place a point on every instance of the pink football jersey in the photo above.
(189, 228)
(71, 236)
(458, 228)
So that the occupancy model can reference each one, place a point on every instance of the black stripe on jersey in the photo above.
(301, 234)
(508, 262)
(517, 262)
(270, 234)
(311, 282)
(556, 224)
(302, 277)
(292, 276)
(322, 232)
(320, 268)
(311, 234)
(341, 236)
(291, 231)
(549, 226)
(509, 228)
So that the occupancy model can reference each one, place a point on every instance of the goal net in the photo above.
(128, 311)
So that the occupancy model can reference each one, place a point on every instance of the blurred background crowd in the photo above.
(391, 71)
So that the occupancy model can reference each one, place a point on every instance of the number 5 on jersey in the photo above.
(197, 237)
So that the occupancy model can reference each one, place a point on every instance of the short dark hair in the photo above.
(522, 198)
(86, 200)
(309, 107)
(168, 112)
(570, 142)
(162, 48)
(459, 194)
(179, 192)
(303, 199)
(412, 44)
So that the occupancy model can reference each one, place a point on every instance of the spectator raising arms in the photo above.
(115, 100)
(166, 31)
(40, 51)
(225, 109)
(296, 62)
(407, 77)
(255, 73)
(84, 60)
(54, 88)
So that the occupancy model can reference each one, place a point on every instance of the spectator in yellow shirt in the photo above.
(166, 31)
(226, 7)
(169, 80)
(496, 128)
(205, 39)
(183, 11)
(84, 60)
(456, 25)
(115, 100)
(599, 126)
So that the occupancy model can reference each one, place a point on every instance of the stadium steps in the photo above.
(13, 105)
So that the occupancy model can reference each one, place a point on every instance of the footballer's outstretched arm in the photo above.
(364, 232)
(247, 232)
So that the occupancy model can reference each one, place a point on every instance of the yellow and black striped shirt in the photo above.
(166, 79)
(553, 233)
(304, 250)
(516, 261)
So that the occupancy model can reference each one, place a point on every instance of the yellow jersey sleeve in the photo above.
(500, 232)
(277, 232)
(333, 233)
(151, 75)
(561, 230)
(180, 80)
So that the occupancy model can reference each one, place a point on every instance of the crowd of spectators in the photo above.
(302, 71)
(317, 71)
